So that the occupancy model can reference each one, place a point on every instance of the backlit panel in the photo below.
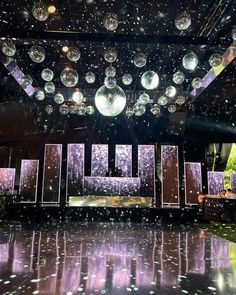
(99, 165)
(215, 182)
(193, 181)
(123, 159)
(7, 180)
(233, 182)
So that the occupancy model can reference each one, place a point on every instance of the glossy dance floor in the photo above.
(120, 259)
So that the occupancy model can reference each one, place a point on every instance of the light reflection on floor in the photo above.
(110, 258)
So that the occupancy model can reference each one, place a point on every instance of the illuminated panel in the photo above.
(28, 180)
(123, 159)
(195, 253)
(193, 181)
(215, 182)
(52, 173)
(146, 169)
(170, 174)
(7, 180)
(233, 182)
(99, 166)
(75, 169)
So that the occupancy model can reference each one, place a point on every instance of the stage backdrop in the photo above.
(215, 182)
(99, 165)
(28, 180)
(7, 180)
(193, 181)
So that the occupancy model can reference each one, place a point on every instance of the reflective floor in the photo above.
(121, 259)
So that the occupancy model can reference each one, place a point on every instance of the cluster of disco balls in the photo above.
(79, 109)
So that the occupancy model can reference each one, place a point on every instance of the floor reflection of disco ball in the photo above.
(129, 112)
(140, 60)
(49, 87)
(139, 109)
(111, 22)
(162, 100)
(37, 54)
(127, 79)
(215, 60)
(59, 98)
(39, 94)
(178, 77)
(180, 100)
(73, 54)
(26, 80)
(90, 77)
(47, 75)
(197, 83)
(49, 109)
(144, 98)
(8, 48)
(80, 109)
(233, 33)
(110, 72)
(190, 61)
(150, 80)
(40, 11)
(69, 77)
(77, 96)
(155, 109)
(110, 82)
(110, 101)
(183, 21)
(90, 110)
(110, 55)
(170, 91)
(172, 108)
(64, 109)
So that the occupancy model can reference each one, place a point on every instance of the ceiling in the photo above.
(143, 26)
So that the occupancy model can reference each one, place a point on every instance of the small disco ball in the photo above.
(80, 109)
(110, 82)
(140, 59)
(150, 80)
(178, 77)
(183, 21)
(39, 94)
(64, 109)
(77, 96)
(59, 98)
(129, 112)
(172, 108)
(49, 109)
(110, 72)
(162, 100)
(127, 79)
(37, 54)
(90, 77)
(26, 80)
(180, 100)
(170, 91)
(90, 110)
(155, 110)
(69, 77)
(49, 87)
(111, 21)
(110, 55)
(40, 11)
(144, 98)
(72, 109)
(233, 33)
(197, 83)
(8, 48)
(215, 60)
(139, 109)
(190, 61)
(47, 75)
(73, 54)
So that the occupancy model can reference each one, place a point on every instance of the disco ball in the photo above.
(111, 22)
(162, 100)
(139, 109)
(197, 83)
(172, 108)
(64, 109)
(47, 75)
(110, 101)
(127, 79)
(180, 100)
(129, 112)
(150, 80)
(190, 61)
(110, 72)
(26, 80)
(73, 54)
(110, 55)
(59, 98)
(178, 77)
(90, 77)
(49, 87)
(90, 110)
(170, 91)
(144, 98)
(77, 96)
(140, 59)
(183, 21)
(80, 109)
(233, 33)
(40, 11)
(37, 54)
(49, 109)
(8, 48)
(69, 77)
(155, 109)
(215, 60)
(72, 109)
(39, 94)
(110, 82)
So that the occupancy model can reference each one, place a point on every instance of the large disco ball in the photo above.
(129, 112)
(140, 59)
(215, 60)
(127, 79)
(90, 77)
(47, 75)
(180, 100)
(64, 109)
(49, 109)
(110, 72)
(111, 21)
(90, 110)
(77, 96)
(197, 83)
(155, 110)
(39, 94)
(110, 55)
(144, 98)
(40, 11)
(59, 98)
(139, 109)
(37, 54)
(110, 101)
(8, 48)
(26, 80)
(49, 87)
(80, 109)
(233, 33)
(69, 77)
(110, 82)
(183, 21)
(172, 108)
(150, 80)
(170, 91)
(190, 61)
(178, 77)
(162, 100)
(73, 54)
